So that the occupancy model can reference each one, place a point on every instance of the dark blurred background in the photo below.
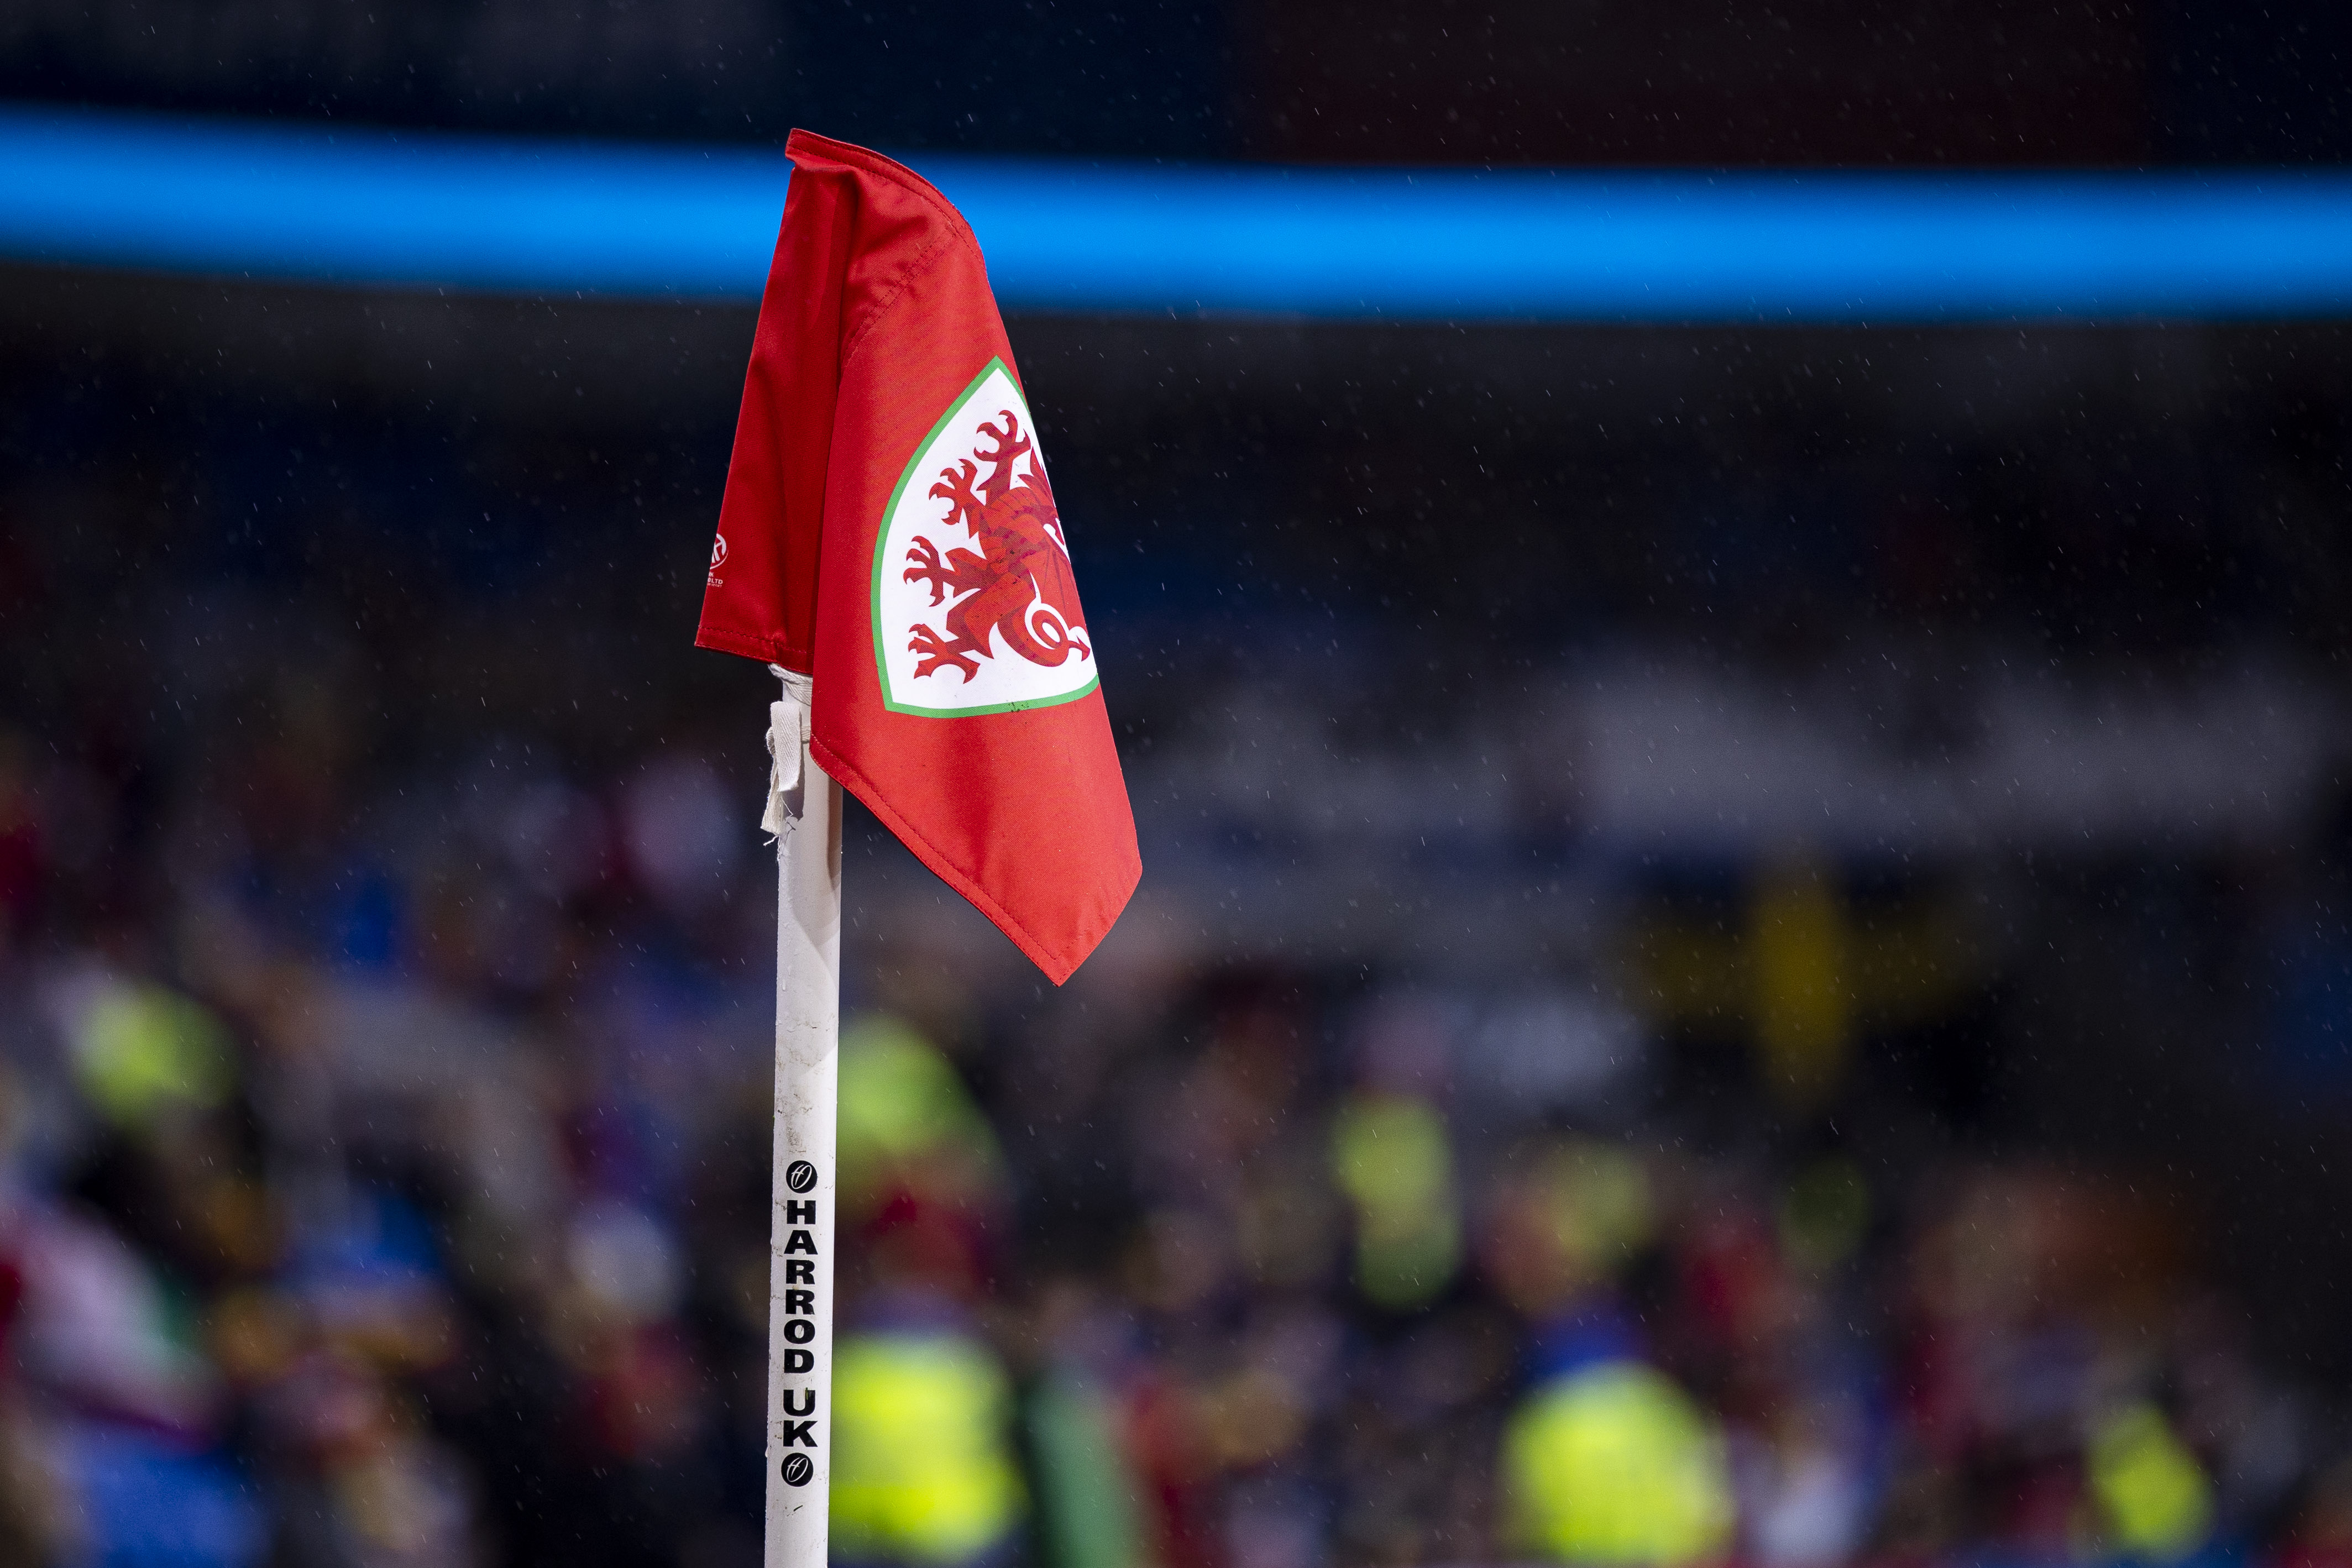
(1669, 81)
(1744, 948)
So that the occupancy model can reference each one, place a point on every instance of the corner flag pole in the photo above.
(804, 813)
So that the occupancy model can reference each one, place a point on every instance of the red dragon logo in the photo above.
(1019, 582)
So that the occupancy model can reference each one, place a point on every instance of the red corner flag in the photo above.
(888, 530)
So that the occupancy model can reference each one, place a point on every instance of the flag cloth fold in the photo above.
(888, 530)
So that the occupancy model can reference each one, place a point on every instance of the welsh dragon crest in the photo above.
(1012, 634)
(1019, 582)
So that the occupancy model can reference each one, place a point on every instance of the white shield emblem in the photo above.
(975, 606)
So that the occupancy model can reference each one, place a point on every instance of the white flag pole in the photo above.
(804, 813)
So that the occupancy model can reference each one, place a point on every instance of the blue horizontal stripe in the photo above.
(424, 209)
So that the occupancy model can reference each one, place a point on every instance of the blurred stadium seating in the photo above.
(1743, 956)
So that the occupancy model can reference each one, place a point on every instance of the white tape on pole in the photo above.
(805, 813)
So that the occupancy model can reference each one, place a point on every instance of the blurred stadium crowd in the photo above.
(1486, 1173)
(1744, 956)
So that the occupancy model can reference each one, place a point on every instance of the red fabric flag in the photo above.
(888, 530)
